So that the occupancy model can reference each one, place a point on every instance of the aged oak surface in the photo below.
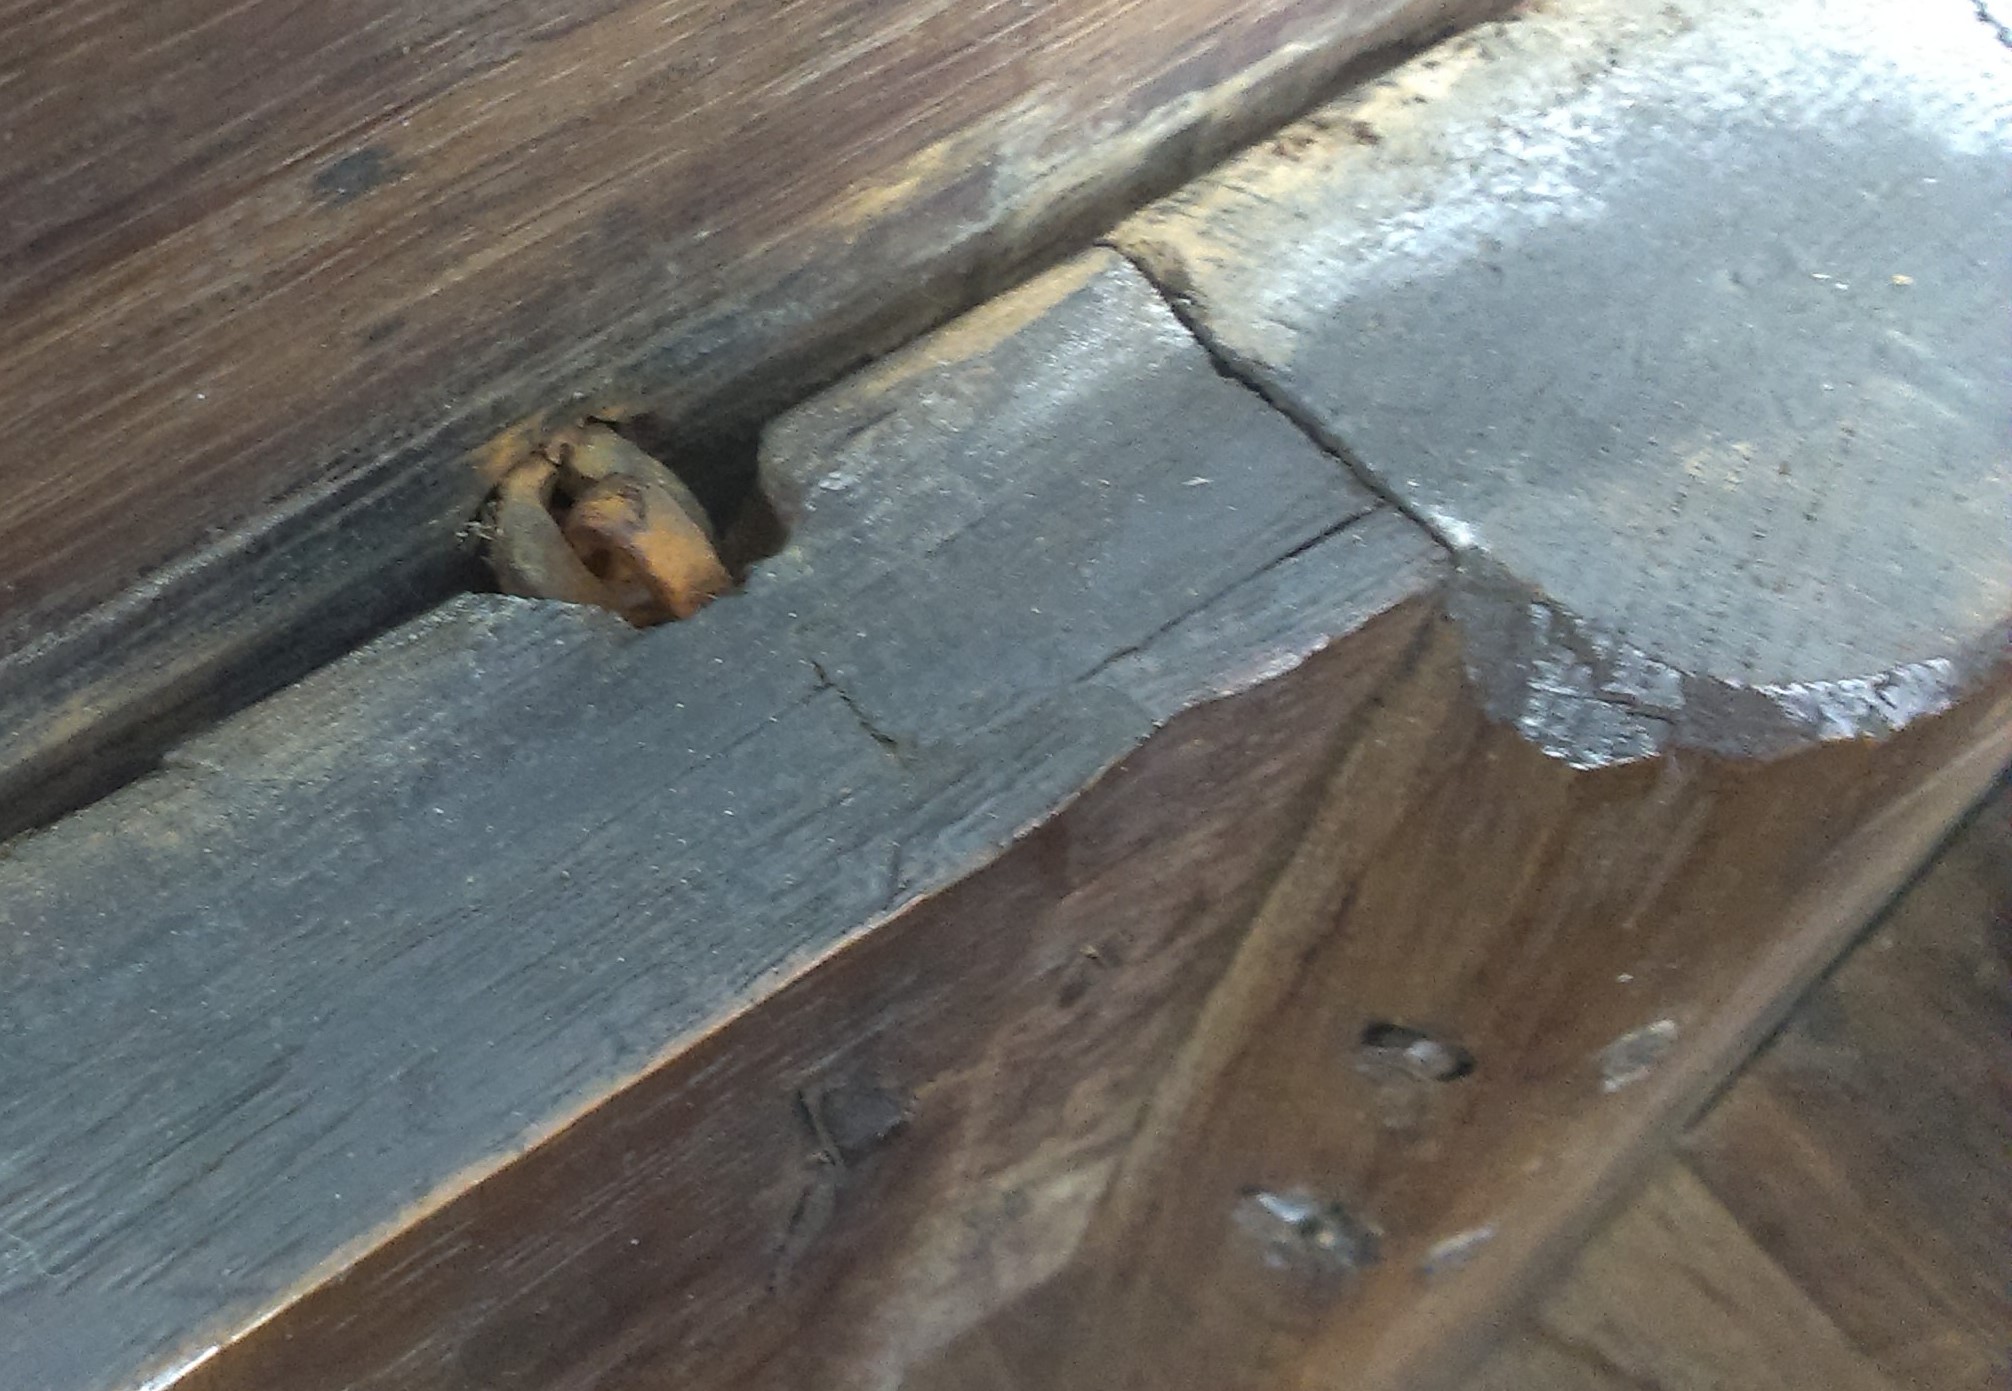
(371, 939)
(1144, 888)
(269, 271)
(1867, 1148)
(1837, 1218)
(1675, 1294)
(1533, 916)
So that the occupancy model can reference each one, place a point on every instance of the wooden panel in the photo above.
(1668, 486)
(590, 985)
(1867, 1148)
(1835, 1218)
(278, 267)
(1546, 922)
(704, 1229)
(1662, 517)
(1676, 1296)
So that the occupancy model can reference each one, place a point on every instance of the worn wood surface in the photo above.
(1837, 1217)
(1868, 1147)
(1674, 1296)
(363, 945)
(754, 1215)
(1676, 532)
(1632, 306)
(269, 273)
(1603, 945)
(1083, 914)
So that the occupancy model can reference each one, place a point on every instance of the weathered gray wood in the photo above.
(1684, 324)
(379, 933)
(996, 482)
(276, 279)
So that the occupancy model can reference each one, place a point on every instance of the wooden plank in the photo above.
(700, 1229)
(501, 882)
(1534, 917)
(742, 986)
(269, 275)
(1675, 1295)
(1851, 1182)
(1866, 1148)
(1679, 1294)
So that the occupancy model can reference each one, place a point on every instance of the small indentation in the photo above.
(1080, 975)
(354, 175)
(1455, 1251)
(1412, 1053)
(853, 1119)
(1300, 1231)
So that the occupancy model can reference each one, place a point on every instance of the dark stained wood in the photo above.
(1675, 1294)
(1666, 519)
(1866, 1149)
(702, 1229)
(1836, 1218)
(269, 272)
(1532, 915)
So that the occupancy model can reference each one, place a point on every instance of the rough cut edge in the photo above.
(279, 738)
(1581, 692)
(1577, 689)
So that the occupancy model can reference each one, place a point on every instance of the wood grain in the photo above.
(359, 952)
(1866, 1149)
(698, 1230)
(1081, 915)
(1673, 491)
(1533, 938)
(1676, 1296)
(1833, 1219)
(269, 275)
(1605, 898)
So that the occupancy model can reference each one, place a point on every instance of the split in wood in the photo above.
(592, 519)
